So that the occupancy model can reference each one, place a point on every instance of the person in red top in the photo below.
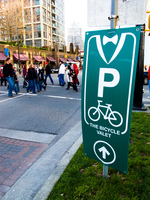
(75, 77)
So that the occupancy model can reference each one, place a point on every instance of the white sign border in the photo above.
(131, 77)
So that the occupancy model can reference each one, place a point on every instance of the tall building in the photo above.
(44, 22)
(75, 36)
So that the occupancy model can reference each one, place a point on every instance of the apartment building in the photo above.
(75, 36)
(44, 22)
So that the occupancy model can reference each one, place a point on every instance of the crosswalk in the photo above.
(5, 98)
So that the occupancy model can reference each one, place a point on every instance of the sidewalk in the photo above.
(29, 169)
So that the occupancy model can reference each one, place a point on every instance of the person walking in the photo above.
(69, 76)
(32, 79)
(75, 77)
(48, 74)
(3, 79)
(16, 79)
(1, 76)
(37, 78)
(41, 78)
(24, 74)
(8, 74)
(61, 74)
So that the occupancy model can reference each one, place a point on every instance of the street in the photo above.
(53, 111)
(49, 113)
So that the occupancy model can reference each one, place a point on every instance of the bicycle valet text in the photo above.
(105, 131)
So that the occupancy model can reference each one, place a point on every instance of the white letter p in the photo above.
(103, 83)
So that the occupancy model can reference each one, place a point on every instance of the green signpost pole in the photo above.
(112, 26)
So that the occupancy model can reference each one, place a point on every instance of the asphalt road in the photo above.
(53, 111)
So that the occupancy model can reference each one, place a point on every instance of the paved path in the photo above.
(27, 166)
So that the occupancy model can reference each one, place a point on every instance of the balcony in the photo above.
(54, 25)
(53, 10)
(53, 4)
(53, 19)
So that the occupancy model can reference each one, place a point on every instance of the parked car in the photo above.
(54, 70)
(145, 78)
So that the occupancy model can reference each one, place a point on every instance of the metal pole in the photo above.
(113, 14)
(112, 26)
(105, 171)
(18, 49)
(138, 91)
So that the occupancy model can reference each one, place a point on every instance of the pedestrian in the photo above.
(75, 77)
(8, 74)
(48, 74)
(61, 74)
(69, 76)
(76, 70)
(32, 79)
(41, 79)
(37, 78)
(24, 71)
(16, 79)
(25, 77)
(1, 76)
(3, 79)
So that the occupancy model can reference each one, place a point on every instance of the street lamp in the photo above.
(18, 45)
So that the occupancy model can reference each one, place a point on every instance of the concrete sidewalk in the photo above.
(29, 167)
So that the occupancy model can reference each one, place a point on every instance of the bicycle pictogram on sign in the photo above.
(114, 117)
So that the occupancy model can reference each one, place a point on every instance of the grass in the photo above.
(82, 179)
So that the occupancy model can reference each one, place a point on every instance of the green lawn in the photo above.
(83, 178)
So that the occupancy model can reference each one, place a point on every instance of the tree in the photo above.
(11, 18)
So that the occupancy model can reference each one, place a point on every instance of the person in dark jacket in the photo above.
(41, 78)
(32, 78)
(48, 74)
(8, 74)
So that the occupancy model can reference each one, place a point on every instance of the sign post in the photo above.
(109, 72)
(112, 26)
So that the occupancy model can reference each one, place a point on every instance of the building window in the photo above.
(36, 14)
(48, 17)
(37, 43)
(48, 6)
(27, 15)
(28, 31)
(26, 2)
(45, 42)
(44, 31)
(44, 15)
(37, 30)
(29, 42)
(44, 3)
(36, 2)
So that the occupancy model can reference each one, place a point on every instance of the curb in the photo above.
(49, 184)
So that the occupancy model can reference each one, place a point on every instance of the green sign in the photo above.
(109, 70)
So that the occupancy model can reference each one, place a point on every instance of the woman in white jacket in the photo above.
(69, 76)
(61, 74)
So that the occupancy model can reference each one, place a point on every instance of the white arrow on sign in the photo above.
(104, 152)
